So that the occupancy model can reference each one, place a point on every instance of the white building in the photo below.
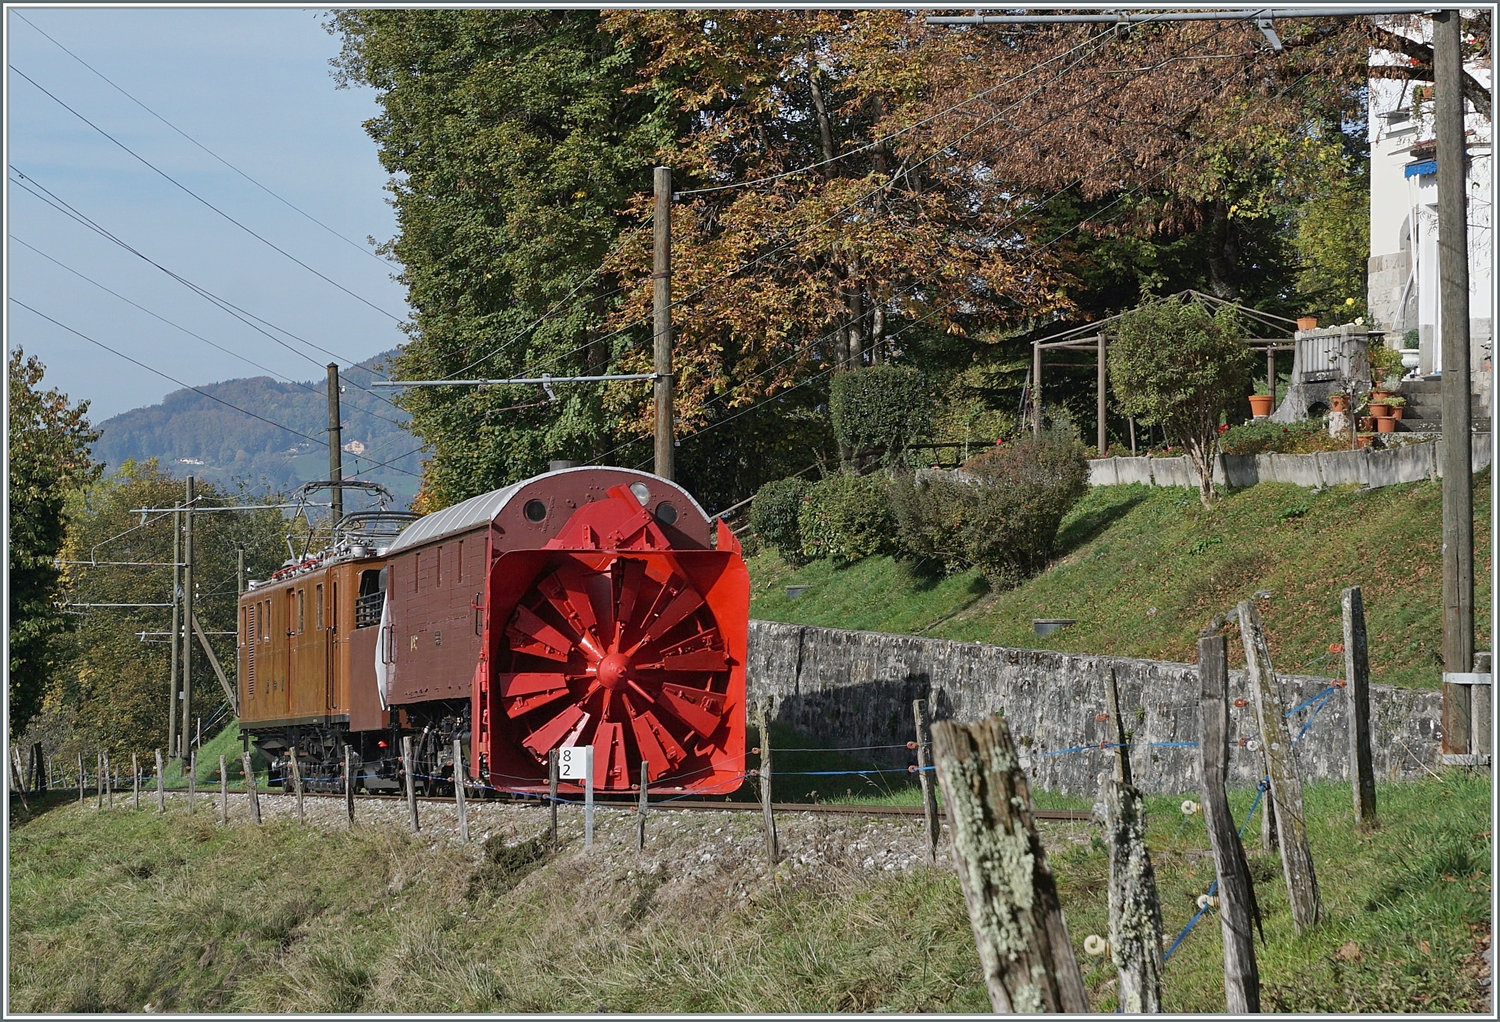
(1402, 277)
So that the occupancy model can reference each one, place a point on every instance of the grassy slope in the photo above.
(1142, 570)
(116, 910)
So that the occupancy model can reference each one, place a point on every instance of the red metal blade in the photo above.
(699, 709)
(549, 735)
(654, 742)
(525, 683)
(565, 590)
(610, 768)
(629, 574)
(697, 660)
(684, 603)
(530, 634)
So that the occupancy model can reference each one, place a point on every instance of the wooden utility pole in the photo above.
(172, 700)
(1237, 907)
(1103, 442)
(1453, 293)
(187, 618)
(1286, 785)
(1357, 687)
(661, 308)
(924, 775)
(1024, 953)
(335, 449)
(1036, 388)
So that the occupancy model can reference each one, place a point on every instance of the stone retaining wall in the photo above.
(1411, 463)
(847, 688)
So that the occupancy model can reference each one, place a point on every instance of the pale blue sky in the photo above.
(253, 86)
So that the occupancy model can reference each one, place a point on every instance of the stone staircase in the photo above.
(1424, 407)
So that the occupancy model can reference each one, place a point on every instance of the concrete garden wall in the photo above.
(1411, 463)
(847, 688)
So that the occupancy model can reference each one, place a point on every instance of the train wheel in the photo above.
(623, 653)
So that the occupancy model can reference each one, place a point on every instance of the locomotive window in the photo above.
(535, 510)
(319, 602)
(666, 513)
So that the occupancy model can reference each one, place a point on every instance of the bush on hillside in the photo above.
(1304, 437)
(879, 410)
(773, 516)
(1000, 513)
(846, 517)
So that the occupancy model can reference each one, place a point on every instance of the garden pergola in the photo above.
(1094, 337)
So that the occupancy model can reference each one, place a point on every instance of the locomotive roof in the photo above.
(480, 510)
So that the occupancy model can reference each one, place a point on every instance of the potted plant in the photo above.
(1307, 322)
(1379, 408)
(1367, 423)
(1261, 400)
(1338, 401)
(1397, 404)
(1385, 424)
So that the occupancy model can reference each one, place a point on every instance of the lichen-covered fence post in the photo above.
(1237, 907)
(924, 775)
(773, 846)
(1286, 785)
(1024, 952)
(1357, 690)
(1134, 911)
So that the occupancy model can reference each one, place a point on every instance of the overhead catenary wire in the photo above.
(279, 198)
(258, 237)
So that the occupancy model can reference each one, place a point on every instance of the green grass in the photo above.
(1142, 570)
(226, 743)
(114, 911)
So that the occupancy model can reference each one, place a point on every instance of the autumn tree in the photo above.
(48, 458)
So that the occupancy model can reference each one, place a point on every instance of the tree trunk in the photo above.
(1223, 253)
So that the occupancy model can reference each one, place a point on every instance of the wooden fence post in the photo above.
(1237, 906)
(1357, 689)
(80, 777)
(411, 783)
(109, 782)
(349, 783)
(18, 780)
(640, 811)
(223, 790)
(773, 850)
(1286, 785)
(460, 775)
(297, 783)
(98, 780)
(1134, 909)
(250, 787)
(924, 775)
(192, 778)
(552, 793)
(161, 787)
(135, 780)
(1024, 952)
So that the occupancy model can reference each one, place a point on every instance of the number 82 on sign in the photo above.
(573, 762)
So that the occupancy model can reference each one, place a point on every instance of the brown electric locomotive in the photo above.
(585, 606)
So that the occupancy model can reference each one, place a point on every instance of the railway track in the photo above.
(702, 805)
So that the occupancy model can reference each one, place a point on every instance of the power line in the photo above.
(200, 145)
(163, 375)
(31, 185)
(263, 240)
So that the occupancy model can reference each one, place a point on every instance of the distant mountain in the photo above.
(191, 434)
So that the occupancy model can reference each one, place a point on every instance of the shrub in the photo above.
(1304, 437)
(773, 516)
(1174, 363)
(1000, 513)
(879, 410)
(846, 517)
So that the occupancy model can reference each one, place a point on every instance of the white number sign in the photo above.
(572, 762)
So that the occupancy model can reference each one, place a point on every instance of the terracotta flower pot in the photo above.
(1307, 322)
(1396, 411)
(1260, 405)
(1379, 395)
(1379, 409)
(1385, 424)
(1363, 441)
(1339, 403)
(1367, 424)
